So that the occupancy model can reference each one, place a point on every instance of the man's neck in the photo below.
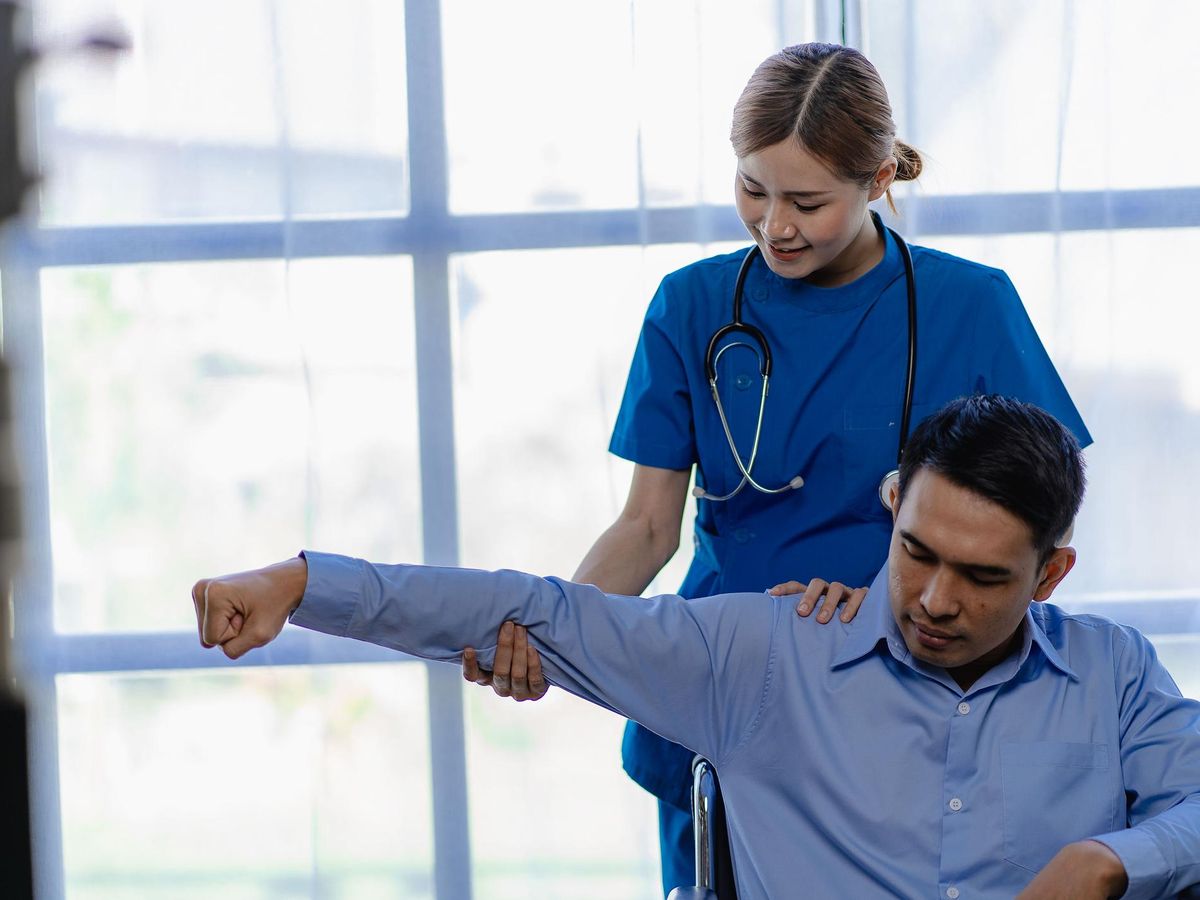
(967, 675)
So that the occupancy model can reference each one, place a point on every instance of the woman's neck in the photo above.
(860, 257)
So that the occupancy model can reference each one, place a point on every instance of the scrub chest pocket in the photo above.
(1031, 771)
(870, 440)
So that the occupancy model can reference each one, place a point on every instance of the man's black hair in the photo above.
(1012, 453)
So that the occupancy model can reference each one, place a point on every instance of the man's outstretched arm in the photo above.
(694, 671)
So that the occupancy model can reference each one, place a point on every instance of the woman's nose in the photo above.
(777, 226)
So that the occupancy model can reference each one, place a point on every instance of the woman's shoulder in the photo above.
(960, 272)
(713, 269)
(699, 285)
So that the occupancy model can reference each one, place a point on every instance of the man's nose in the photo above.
(937, 599)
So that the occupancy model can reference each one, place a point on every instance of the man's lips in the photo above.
(932, 637)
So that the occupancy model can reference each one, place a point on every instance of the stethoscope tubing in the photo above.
(713, 355)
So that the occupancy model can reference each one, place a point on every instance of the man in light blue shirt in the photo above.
(959, 737)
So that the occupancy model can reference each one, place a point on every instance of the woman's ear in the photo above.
(883, 179)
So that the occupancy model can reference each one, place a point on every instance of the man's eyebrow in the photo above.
(758, 184)
(975, 568)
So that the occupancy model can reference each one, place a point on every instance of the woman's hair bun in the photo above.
(908, 162)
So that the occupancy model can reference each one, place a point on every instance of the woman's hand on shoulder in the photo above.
(822, 597)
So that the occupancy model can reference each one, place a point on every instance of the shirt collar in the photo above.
(875, 623)
(1035, 624)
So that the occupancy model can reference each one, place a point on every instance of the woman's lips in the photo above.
(785, 254)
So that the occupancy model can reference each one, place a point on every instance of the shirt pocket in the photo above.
(1054, 793)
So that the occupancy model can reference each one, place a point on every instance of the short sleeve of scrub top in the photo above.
(655, 426)
(1012, 360)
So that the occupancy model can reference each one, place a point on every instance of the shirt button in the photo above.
(964, 708)
(742, 382)
(742, 535)
(956, 804)
(952, 892)
(760, 294)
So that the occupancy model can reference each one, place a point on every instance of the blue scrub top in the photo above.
(832, 416)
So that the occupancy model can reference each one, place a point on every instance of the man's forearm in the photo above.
(1087, 870)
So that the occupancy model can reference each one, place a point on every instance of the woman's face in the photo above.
(808, 222)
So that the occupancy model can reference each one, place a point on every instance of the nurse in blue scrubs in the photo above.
(815, 145)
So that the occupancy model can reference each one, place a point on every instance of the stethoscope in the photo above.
(890, 480)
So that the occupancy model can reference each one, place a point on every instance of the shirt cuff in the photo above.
(327, 606)
(1148, 871)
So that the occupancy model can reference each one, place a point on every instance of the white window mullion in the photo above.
(33, 592)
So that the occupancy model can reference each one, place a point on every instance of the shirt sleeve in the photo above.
(1160, 762)
(655, 425)
(696, 672)
(1015, 362)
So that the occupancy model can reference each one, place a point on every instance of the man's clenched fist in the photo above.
(240, 612)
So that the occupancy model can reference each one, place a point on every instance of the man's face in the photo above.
(962, 571)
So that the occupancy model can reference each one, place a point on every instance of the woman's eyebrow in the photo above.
(758, 184)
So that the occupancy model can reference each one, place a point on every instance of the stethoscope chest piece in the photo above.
(889, 487)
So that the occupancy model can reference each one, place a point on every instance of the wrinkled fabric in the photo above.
(846, 765)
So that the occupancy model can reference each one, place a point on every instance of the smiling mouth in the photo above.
(784, 252)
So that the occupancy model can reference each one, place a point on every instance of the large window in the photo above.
(367, 277)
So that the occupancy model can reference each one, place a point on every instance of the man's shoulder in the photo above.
(1067, 630)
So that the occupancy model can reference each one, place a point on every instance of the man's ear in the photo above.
(1054, 570)
(894, 499)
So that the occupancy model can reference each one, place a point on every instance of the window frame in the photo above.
(430, 234)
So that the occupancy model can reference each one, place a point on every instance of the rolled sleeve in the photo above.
(1148, 870)
(1161, 770)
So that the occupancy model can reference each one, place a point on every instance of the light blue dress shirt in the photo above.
(849, 769)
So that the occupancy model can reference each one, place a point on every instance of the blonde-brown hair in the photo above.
(832, 101)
